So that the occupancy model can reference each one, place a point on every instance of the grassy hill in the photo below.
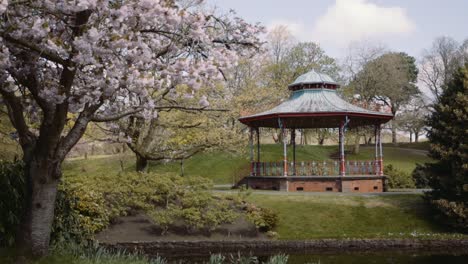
(225, 168)
(319, 215)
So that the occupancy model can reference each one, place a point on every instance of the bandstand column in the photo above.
(285, 152)
(381, 152)
(251, 151)
(258, 144)
(293, 142)
(342, 156)
(376, 160)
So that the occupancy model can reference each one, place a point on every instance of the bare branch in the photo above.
(97, 118)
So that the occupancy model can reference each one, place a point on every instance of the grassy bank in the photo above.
(225, 168)
(309, 216)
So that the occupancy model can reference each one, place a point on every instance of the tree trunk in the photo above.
(141, 163)
(321, 141)
(394, 132)
(410, 137)
(182, 170)
(357, 142)
(308, 135)
(416, 137)
(42, 178)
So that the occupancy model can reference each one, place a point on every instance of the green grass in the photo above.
(310, 216)
(78, 255)
(224, 168)
(422, 145)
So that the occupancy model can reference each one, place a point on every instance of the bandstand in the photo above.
(314, 103)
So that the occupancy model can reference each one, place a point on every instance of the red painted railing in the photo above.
(315, 168)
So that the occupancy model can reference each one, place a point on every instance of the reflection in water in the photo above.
(387, 258)
(351, 258)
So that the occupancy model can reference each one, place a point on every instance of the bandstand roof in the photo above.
(314, 103)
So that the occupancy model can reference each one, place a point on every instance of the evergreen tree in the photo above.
(448, 177)
(449, 143)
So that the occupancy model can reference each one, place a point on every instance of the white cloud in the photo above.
(297, 29)
(354, 20)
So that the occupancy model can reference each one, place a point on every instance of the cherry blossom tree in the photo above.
(66, 63)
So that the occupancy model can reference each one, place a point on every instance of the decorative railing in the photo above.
(315, 168)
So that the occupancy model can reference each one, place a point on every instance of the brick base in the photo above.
(361, 184)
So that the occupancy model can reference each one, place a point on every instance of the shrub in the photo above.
(455, 214)
(165, 198)
(397, 178)
(263, 218)
(420, 176)
(11, 199)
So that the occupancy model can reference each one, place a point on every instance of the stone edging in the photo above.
(198, 248)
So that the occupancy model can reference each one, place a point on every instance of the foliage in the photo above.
(65, 64)
(448, 177)
(264, 219)
(11, 199)
(242, 259)
(420, 176)
(91, 203)
(449, 143)
(452, 213)
(413, 118)
(398, 178)
(389, 79)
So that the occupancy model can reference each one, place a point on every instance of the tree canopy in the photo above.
(68, 63)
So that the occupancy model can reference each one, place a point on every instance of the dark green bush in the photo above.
(451, 213)
(420, 176)
(397, 178)
(11, 199)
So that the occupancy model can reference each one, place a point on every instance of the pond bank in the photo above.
(258, 248)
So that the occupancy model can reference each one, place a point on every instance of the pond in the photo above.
(341, 258)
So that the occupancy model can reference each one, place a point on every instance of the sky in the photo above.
(400, 25)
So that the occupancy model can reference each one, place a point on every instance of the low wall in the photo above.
(360, 184)
(199, 248)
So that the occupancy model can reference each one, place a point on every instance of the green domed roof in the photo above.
(313, 77)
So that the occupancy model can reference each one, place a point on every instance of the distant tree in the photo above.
(390, 79)
(440, 62)
(361, 87)
(262, 82)
(306, 56)
(413, 118)
(448, 177)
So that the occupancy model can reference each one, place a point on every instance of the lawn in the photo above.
(309, 216)
(225, 168)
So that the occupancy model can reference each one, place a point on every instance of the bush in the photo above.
(11, 199)
(86, 205)
(397, 178)
(420, 176)
(263, 218)
(91, 203)
(455, 214)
